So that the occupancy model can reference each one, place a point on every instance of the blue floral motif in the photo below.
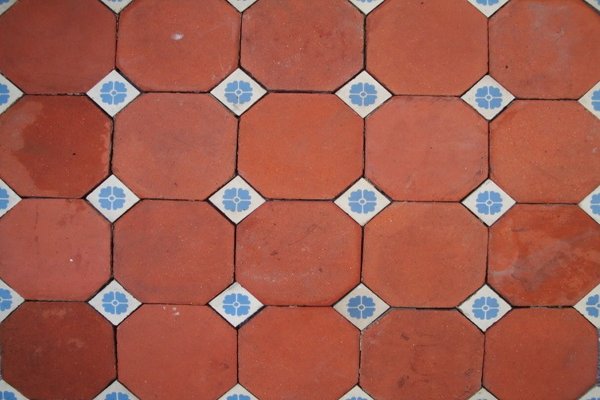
(238, 397)
(236, 199)
(595, 204)
(3, 199)
(115, 302)
(236, 304)
(6, 299)
(367, 1)
(113, 92)
(6, 395)
(596, 95)
(356, 398)
(361, 307)
(486, 307)
(593, 306)
(487, 2)
(488, 97)
(238, 92)
(4, 92)
(489, 202)
(362, 201)
(117, 395)
(363, 94)
(111, 197)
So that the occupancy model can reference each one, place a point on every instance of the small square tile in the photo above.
(488, 7)
(237, 199)
(10, 393)
(488, 202)
(483, 395)
(6, 4)
(9, 300)
(593, 394)
(362, 201)
(366, 6)
(238, 92)
(241, 5)
(356, 393)
(591, 100)
(484, 308)
(361, 306)
(9, 93)
(116, 5)
(236, 304)
(114, 302)
(8, 198)
(112, 198)
(591, 204)
(113, 93)
(488, 97)
(238, 392)
(589, 306)
(116, 391)
(363, 94)
(594, 3)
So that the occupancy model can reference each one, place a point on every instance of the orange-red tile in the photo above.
(541, 354)
(301, 253)
(419, 47)
(188, 45)
(298, 353)
(178, 146)
(300, 146)
(57, 351)
(424, 254)
(544, 255)
(173, 252)
(302, 44)
(57, 46)
(182, 352)
(421, 354)
(412, 156)
(545, 49)
(546, 151)
(54, 146)
(54, 249)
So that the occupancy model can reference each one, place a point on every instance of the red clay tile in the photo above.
(173, 252)
(412, 156)
(301, 253)
(541, 354)
(54, 249)
(54, 146)
(298, 353)
(176, 352)
(417, 46)
(57, 351)
(537, 157)
(418, 354)
(57, 46)
(545, 49)
(424, 254)
(178, 146)
(302, 44)
(188, 45)
(300, 146)
(544, 255)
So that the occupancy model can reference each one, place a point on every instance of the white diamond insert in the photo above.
(113, 93)
(362, 201)
(363, 94)
(366, 6)
(591, 100)
(8, 198)
(9, 93)
(484, 308)
(361, 306)
(589, 306)
(236, 304)
(116, 5)
(594, 3)
(5, 387)
(238, 92)
(356, 393)
(488, 93)
(483, 395)
(594, 392)
(9, 300)
(486, 7)
(238, 390)
(488, 202)
(237, 199)
(241, 5)
(112, 198)
(118, 301)
(6, 6)
(591, 204)
(116, 388)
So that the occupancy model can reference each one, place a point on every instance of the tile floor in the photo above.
(299, 199)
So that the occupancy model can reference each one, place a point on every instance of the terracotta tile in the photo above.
(187, 45)
(544, 255)
(54, 249)
(545, 49)
(424, 254)
(298, 353)
(541, 354)
(301, 253)
(179, 146)
(284, 153)
(54, 146)
(57, 46)
(182, 352)
(419, 354)
(302, 44)
(537, 157)
(412, 156)
(57, 351)
(173, 252)
(416, 46)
